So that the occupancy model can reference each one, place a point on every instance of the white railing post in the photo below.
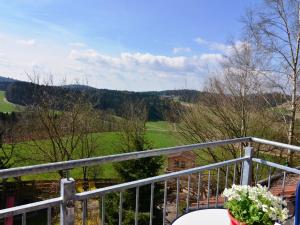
(247, 166)
(67, 192)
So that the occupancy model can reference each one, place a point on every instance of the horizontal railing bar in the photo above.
(276, 144)
(128, 185)
(275, 165)
(65, 165)
(17, 210)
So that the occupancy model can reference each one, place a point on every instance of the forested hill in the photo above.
(5, 82)
(159, 104)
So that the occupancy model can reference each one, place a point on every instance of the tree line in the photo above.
(23, 93)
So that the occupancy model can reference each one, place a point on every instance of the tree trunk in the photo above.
(291, 131)
(85, 184)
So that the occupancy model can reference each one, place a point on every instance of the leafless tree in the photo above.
(60, 126)
(88, 141)
(133, 127)
(275, 31)
(233, 106)
(8, 142)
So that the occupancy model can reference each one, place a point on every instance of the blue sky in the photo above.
(129, 44)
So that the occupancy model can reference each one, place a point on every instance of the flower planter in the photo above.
(234, 221)
(268, 208)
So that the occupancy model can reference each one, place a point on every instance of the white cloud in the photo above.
(201, 41)
(215, 46)
(144, 71)
(211, 57)
(128, 70)
(177, 50)
(28, 42)
(137, 61)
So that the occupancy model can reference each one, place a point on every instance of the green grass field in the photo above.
(159, 134)
(161, 126)
(6, 106)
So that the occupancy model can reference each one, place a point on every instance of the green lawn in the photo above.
(161, 134)
(161, 126)
(6, 106)
(108, 144)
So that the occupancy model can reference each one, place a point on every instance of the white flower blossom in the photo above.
(273, 206)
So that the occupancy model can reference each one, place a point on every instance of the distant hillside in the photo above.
(78, 87)
(5, 82)
(6, 79)
(22, 93)
(184, 95)
(159, 103)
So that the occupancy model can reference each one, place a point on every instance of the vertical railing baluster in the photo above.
(137, 196)
(24, 219)
(103, 209)
(234, 174)
(208, 188)
(177, 196)
(99, 203)
(269, 178)
(198, 190)
(226, 179)
(188, 194)
(49, 216)
(256, 173)
(283, 185)
(241, 177)
(226, 176)
(121, 208)
(151, 203)
(84, 211)
(165, 202)
(217, 192)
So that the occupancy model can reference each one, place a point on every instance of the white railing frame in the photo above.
(68, 195)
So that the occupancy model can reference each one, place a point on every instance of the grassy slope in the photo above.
(160, 134)
(4, 105)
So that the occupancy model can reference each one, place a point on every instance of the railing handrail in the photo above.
(275, 143)
(34, 206)
(142, 182)
(69, 195)
(17, 210)
(276, 165)
(66, 165)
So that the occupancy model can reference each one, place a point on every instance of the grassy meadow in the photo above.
(160, 134)
(6, 106)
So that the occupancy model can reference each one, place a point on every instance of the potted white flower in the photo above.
(254, 206)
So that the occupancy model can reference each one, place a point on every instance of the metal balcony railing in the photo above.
(246, 168)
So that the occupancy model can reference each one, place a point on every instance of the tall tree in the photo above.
(88, 143)
(8, 130)
(133, 138)
(233, 106)
(275, 30)
(61, 126)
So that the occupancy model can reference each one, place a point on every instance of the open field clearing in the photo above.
(107, 144)
(6, 106)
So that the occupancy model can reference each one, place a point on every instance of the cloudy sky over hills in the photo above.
(133, 45)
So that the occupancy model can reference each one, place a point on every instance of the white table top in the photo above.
(205, 217)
